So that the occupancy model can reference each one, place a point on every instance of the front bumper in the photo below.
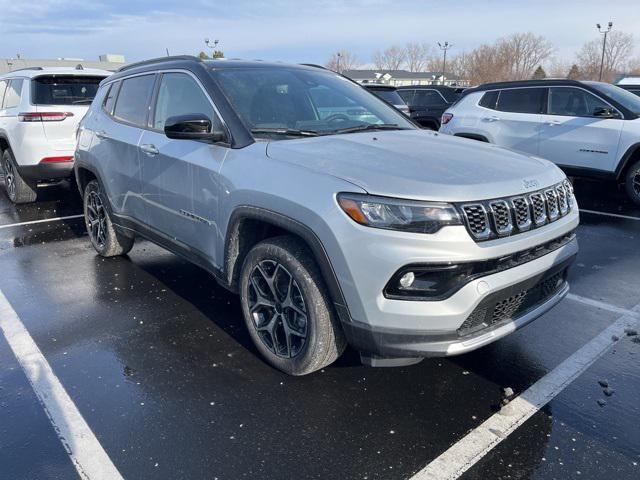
(497, 315)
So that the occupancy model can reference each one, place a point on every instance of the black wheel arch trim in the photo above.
(625, 160)
(247, 212)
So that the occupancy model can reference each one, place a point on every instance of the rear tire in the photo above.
(18, 189)
(106, 240)
(632, 183)
(287, 309)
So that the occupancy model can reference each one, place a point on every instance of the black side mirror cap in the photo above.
(602, 112)
(193, 127)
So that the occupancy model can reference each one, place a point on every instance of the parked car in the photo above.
(635, 89)
(427, 103)
(389, 94)
(40, 109)
(403, 242)
(589, 129)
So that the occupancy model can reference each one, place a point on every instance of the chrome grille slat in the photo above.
(501, 217)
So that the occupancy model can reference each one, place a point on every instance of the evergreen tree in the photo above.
(574, 73)
(539, 74)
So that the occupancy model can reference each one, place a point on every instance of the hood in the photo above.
(420, 164)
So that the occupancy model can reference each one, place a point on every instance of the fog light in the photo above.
(407, 280)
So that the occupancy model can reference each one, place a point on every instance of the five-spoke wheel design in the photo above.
(277, 309)
(9, 177)
(96, 219)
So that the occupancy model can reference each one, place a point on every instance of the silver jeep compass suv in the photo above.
(332, 215)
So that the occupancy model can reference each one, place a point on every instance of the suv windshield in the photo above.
(64, 89)
(620, 95)
(292, 102)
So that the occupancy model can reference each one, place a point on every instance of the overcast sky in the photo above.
(294, 31)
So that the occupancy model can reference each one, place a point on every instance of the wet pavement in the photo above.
(154, 355)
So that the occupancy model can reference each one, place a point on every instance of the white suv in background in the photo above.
(589, 129)
(40, 109)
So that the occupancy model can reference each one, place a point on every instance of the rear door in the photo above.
(516, 121)
(180, 177)
(117, 136)
(70, 95)
(572, 136)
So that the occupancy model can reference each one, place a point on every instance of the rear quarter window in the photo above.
(13, 93)
(64, 89)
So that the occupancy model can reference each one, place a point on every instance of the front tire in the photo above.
(287, 309)
(106, 240)
(17, 188)
(632, 183)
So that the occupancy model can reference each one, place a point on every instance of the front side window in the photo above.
(521, 100)
(64, 89)
(620, 95)
(573, 102)
(180, 94)
(12, 95)
(281, 102)
(133, 100)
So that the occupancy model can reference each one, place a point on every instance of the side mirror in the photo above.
(602, 112)
(192, 127)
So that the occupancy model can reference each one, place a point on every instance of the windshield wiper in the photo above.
(370, 126)
(293, 132)
(84, 100)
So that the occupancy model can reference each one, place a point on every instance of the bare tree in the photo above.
(418, 56)
(557, 67)
(616, 55)
(523, 52)
(342, 60)
(392, 58)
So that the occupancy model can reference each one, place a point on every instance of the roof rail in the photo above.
(158, 60)
(26, 68)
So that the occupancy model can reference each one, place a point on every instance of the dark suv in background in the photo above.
(427, 103)
(389, 94)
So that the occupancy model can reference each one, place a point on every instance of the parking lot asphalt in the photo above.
(154, 356)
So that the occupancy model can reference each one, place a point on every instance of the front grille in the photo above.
(477, 220)
(500, 217)
(513, 302)
(553, 211)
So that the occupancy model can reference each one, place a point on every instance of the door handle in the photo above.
(149, 149)
(491, 119)
(102, 134)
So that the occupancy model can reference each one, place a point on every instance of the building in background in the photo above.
(399, 78)
(108, 61)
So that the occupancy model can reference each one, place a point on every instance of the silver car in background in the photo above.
(334, 225)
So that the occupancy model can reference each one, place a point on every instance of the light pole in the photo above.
(604, 44)
(338, 62)
(444, 47)
(212, 46)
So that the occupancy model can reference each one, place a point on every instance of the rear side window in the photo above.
(489, 100)
(3, 87)
(64, 89)
(407, 96)
(521, 100)
(389, 96)
(110, 98)
(12, 95)
(427, 98)
(132, 104)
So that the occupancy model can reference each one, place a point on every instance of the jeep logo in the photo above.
(530, 184)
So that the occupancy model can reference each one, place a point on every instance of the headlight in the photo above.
(397, 214)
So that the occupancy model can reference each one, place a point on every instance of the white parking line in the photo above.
(44, 220)
(480, 441)
(87, 455)
(607, 214)
(603, 305)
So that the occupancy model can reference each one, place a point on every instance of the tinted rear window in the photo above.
(521, 100)
(133, 100)
(64, 90)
